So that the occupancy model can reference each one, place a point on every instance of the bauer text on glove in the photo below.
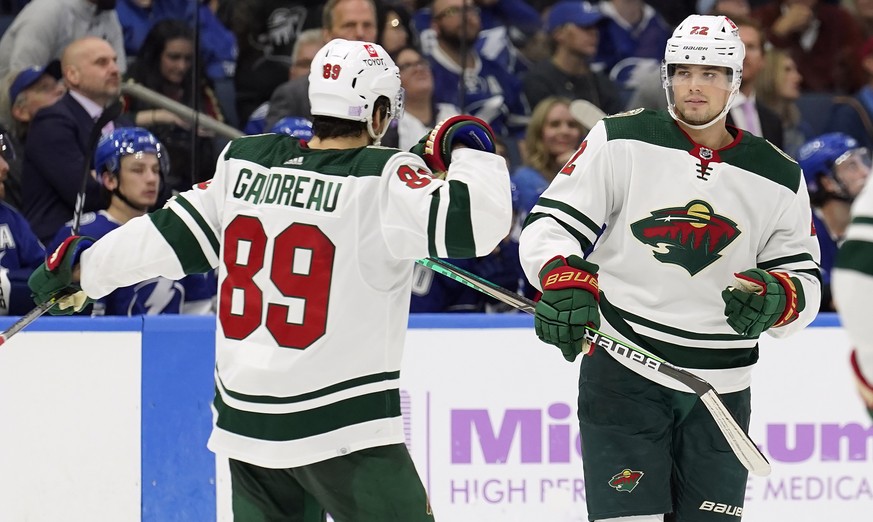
(568, 304)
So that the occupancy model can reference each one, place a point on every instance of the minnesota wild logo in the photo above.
(626, 481)
(691, 236)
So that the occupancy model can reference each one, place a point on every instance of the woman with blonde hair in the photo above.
(778, 87)
(552, 135)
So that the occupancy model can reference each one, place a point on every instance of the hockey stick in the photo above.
(586, 113)
(109, 113)
(743, 446)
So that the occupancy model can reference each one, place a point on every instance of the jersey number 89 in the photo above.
(313, 286)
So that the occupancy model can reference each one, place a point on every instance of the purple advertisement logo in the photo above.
(552, 436)
(526, 428)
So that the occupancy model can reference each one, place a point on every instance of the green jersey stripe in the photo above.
(676, 332)
(345, 385)
(787, 260)
(432, 223)
(204, 226)
(298, 425)
(683, 356)
(570, 211)
(583, 241)
(462, 243)
(856, 255)
(182, 240)
(862, 220)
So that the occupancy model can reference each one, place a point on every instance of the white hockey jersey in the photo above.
(852, 280)
(315, 251)
(680, 220)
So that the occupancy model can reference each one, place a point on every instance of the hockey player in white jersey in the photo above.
(315, 245)
(852, 284)
(707, 245)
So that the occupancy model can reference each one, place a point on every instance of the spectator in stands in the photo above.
(574, 28)
(465, 78)
(748, 112)
(395, 28)
(164, 65)
(729, 8)
(29, 91)
(136, 18)
(821, 38)
(778, 87)
(863, 11)
(20, 250)
(218, 48)
(265, 31)
(44, 28)
(57, 141)
(131, 164)
(836, 169)
(551, 138)
(854, 115)
(420, 112)
(307, 44)
(674, 11)
(630, 29)
(348, 19)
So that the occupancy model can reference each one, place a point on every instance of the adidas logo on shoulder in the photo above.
(294, 161)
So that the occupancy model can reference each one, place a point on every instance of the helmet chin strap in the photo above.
(727, 105)
(129, 203)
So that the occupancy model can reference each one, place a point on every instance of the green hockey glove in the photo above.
(761, 300)
(568, 304)
(435, 148)
(54, 278)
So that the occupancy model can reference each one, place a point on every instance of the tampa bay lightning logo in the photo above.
(156, 296)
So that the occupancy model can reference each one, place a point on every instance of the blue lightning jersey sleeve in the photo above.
(20, 254)
(153, 296)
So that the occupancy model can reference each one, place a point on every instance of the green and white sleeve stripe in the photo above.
(193, 240)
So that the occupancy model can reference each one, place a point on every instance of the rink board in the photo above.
(107, 419)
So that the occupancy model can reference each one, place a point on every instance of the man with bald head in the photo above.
(347, 19)
(57, 143)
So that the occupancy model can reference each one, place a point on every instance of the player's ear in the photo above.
(110, 181)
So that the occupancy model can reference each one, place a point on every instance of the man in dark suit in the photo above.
(747, 112)
(58, 139)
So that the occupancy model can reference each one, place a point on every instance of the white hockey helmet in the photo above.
(347, 77)
(704, 40)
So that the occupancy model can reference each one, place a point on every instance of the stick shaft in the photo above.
(743, 447)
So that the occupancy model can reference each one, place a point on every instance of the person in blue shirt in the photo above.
(131, 165)
(836, 168)
(20, 250)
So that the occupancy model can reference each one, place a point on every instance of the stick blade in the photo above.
(743, 447)
(586, 113)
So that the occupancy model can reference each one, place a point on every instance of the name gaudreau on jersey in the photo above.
(309, 192)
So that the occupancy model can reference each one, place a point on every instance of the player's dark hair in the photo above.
(325, 127)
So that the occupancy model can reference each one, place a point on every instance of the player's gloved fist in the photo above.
(54, 278)
(568, 304)
(865, 388)
(761, 300)
(436, 146)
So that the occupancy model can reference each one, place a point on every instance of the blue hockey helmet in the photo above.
(125, 141)
(821, 155)
(294, 126)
